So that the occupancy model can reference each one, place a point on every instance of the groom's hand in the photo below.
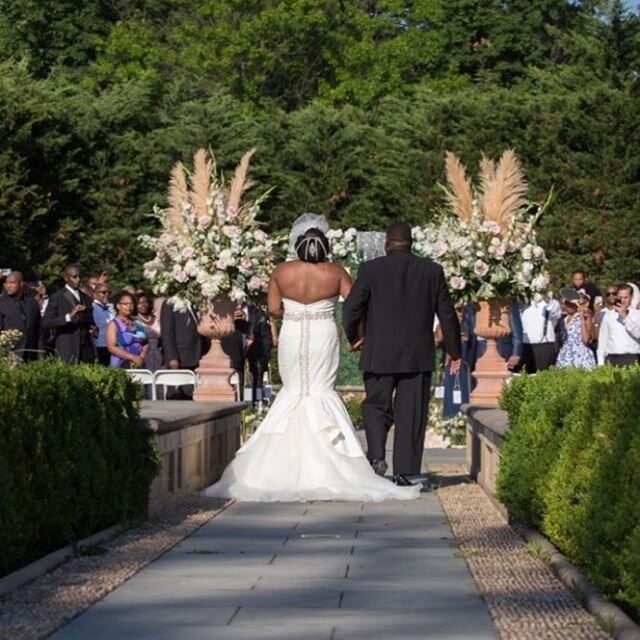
(356, 344)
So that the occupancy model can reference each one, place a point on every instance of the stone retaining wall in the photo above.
(486, 428)
(196, 441)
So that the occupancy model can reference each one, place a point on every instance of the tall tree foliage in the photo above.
(351, 105)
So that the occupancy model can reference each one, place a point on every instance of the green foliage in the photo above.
(351, 107)
(349, 373)
(353, 405)
(73, 459)
(570, 465)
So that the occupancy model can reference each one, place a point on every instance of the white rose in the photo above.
(527, 268)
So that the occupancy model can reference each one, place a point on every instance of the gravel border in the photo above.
(37, 609)
(624, 628)
(524, 597)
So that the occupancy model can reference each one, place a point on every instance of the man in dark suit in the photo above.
(69, 315)
(397, 296)
(19, 310)
(259, 350)
(182, 345)
(253, 324)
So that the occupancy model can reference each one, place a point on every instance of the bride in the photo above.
(306, 448)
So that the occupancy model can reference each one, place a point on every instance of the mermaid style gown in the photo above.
(306, 448)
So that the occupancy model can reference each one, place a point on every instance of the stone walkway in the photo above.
(321, 570)
(305, 571)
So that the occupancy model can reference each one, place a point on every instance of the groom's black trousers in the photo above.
(407, 410)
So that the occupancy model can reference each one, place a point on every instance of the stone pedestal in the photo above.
(492, 323)
(491, 374)
(214, 372)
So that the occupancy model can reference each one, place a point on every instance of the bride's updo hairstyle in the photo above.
(312, 246)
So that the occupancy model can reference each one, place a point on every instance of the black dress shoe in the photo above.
(380, 467)
(402, 480)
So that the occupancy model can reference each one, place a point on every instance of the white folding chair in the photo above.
(144, 377)
(234, 381)
(173, 378)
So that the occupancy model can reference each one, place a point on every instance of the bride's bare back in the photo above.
(306, 282)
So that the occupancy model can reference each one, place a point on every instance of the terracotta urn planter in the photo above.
(215, 369)
(492, 323)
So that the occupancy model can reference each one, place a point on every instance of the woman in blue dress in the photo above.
(126, 339)
(575, 331)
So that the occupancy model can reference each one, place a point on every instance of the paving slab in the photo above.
(320, 570)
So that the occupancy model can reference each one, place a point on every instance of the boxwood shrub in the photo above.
(570, 466)
(73, 459)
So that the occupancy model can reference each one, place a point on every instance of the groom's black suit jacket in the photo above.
(398, 295)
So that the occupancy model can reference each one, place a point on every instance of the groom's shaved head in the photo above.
(398, 235)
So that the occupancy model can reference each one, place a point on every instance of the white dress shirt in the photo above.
(76, 295)
(533, 321)
(617, 335)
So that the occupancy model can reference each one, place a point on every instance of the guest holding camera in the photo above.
(619, 336)
(576, 331)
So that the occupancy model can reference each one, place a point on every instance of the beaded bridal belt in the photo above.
(299, 316)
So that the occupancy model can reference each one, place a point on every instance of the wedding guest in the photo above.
(575, 331)
(635, 297)
(233, 346)
(151, 325)
(461, 382)
(539, 321)
(259, 349)
(19, 310)
(125, 336)
(601, 310)
(610, 295)
(618, 345)
(182, 345)
(103, 313)
(69, 315)
(578, 281)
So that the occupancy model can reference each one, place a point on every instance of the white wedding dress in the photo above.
(306, 448)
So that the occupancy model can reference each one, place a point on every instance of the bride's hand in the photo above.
(356, 344)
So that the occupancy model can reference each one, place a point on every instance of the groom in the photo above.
(397, 296)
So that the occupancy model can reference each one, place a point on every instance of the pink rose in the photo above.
(230, 230)
(440, 248)
(182, 277)
(480, 268)
(457, 282)
(255, 283)
(188, 252)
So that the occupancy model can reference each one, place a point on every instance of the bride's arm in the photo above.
(274, 297)
(345, 283)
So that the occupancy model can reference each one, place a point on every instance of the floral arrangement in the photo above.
(211, 242)
(486, 242)
(344, 246)
(452, 430)
(252, 417)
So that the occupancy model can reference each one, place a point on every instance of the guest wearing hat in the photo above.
(575, 330)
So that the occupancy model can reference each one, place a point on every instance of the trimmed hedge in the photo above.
(73, 459)
(570, 467)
